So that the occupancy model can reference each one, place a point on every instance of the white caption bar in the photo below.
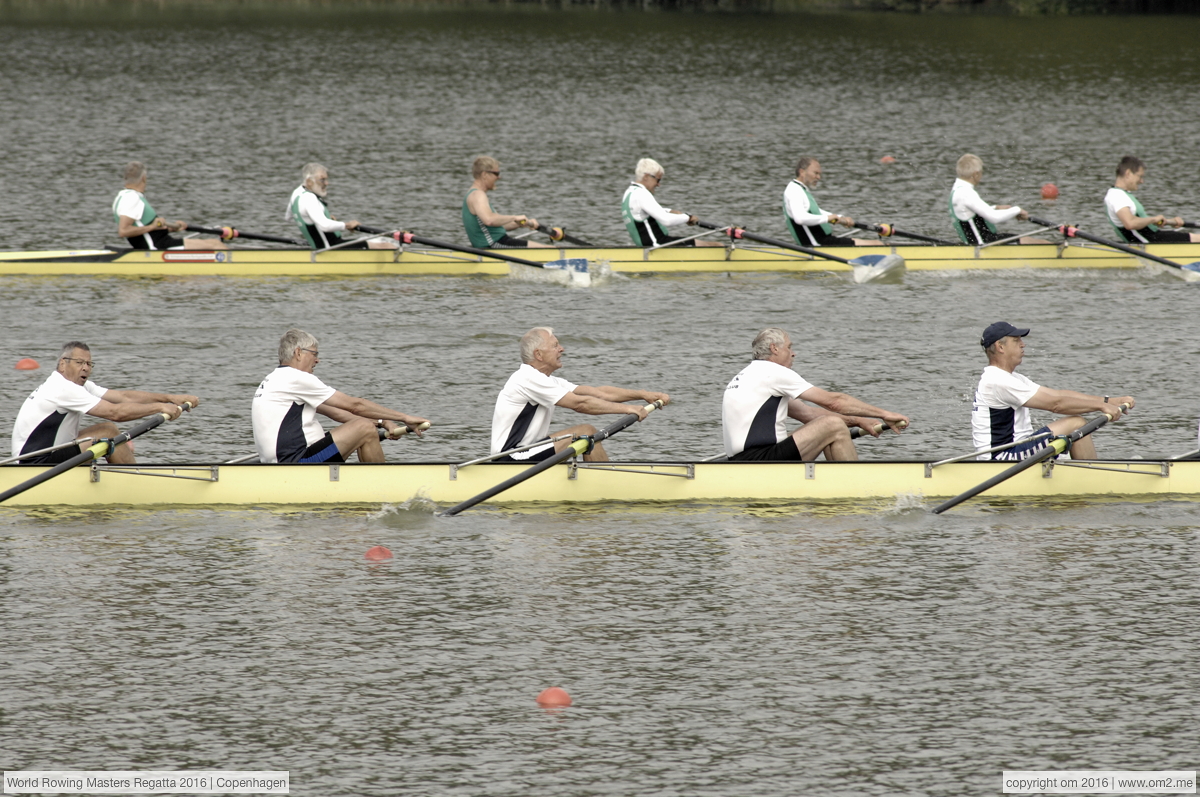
(206, 781)
(1099, 781)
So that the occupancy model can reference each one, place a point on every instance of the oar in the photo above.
(886, 230)
(1057, 446)
(229, 233)
(577, 267)
(396, 434)
(858, 432)
(560, 234)
(99, 449)
(575, 449)
(1070, 231)
(878, 264)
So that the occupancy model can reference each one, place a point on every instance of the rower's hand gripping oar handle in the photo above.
(400, 431)
(858, 432)
(587, 442)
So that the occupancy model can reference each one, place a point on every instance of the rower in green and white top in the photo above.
(975, 220)
(308, 210)
(810, 225)
(645, 219)
(486, 228)
(1128, 217)
(141, 226)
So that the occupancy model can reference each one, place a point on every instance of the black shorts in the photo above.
(53, 457)
(1027, 448)
(324, 450)
(784, 451)
(538, 456)
(1159, 237)
(508, 240)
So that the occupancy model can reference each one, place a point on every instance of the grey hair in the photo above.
(294, 339)
(134, 171)
(804, 162)
(765, 339)
(531, 340)
(647, 166)
(967, 165)
(69, 348)
(311, 170)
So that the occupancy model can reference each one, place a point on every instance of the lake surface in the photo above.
(724, 650)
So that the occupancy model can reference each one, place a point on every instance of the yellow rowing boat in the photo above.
(416, 260)
(255, 485)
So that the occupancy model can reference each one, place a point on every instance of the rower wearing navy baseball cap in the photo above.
(1000, 414)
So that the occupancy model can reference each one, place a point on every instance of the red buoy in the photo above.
(554, 697)
(887, 159)
(1049, 191)
(378, 554)
(27, 364)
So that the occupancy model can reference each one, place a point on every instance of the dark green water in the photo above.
(861, 650)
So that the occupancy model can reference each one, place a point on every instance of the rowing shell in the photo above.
(736, 257)
(594, 483)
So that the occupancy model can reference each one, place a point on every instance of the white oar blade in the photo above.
(878, 268)
(1191, 272)
(577, 272)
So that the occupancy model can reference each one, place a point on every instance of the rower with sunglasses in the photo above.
(485, 227)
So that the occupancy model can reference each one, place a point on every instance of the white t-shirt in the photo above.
(284, 413)
(968, 203)
(643, 205)
(1116, 199)
(796, 204)
(525, 408)
(312, 211)
(51, 414)
(755, 405)
(998, 415)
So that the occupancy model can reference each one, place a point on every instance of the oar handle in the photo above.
(401, 237)
(886, 230)
(400, 431)
(555, 233)
(878, 428)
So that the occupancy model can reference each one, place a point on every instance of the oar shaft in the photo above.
(1056, 446)
(556, 233)
(1074, 232)
(407, 237)
(888, 229)
(878, 428)
(577, 448)
(737, 232)
(227, 233)
(95, 451)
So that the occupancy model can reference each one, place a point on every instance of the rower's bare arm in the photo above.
(590, 404)
(343, 407)
(479, 204)
(132, 410)
(611, 393)
(845, 404)
(805, 413)
(147, 397)
(1069, 402)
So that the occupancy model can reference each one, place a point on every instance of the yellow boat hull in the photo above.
(297, 262)
(633, 482)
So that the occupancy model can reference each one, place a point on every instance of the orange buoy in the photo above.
(27, 364)
(887, 159)
(1049, 191)
(378, 554)
(554, 697)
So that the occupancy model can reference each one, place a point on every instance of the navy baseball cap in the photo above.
(1000, 329)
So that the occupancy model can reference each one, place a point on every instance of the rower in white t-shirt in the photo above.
(51, 415)
(1000, 413)
(767, 391)
(525, 406)
(286, 404)
(141, 226)
(1128, 217)
(975, 220)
